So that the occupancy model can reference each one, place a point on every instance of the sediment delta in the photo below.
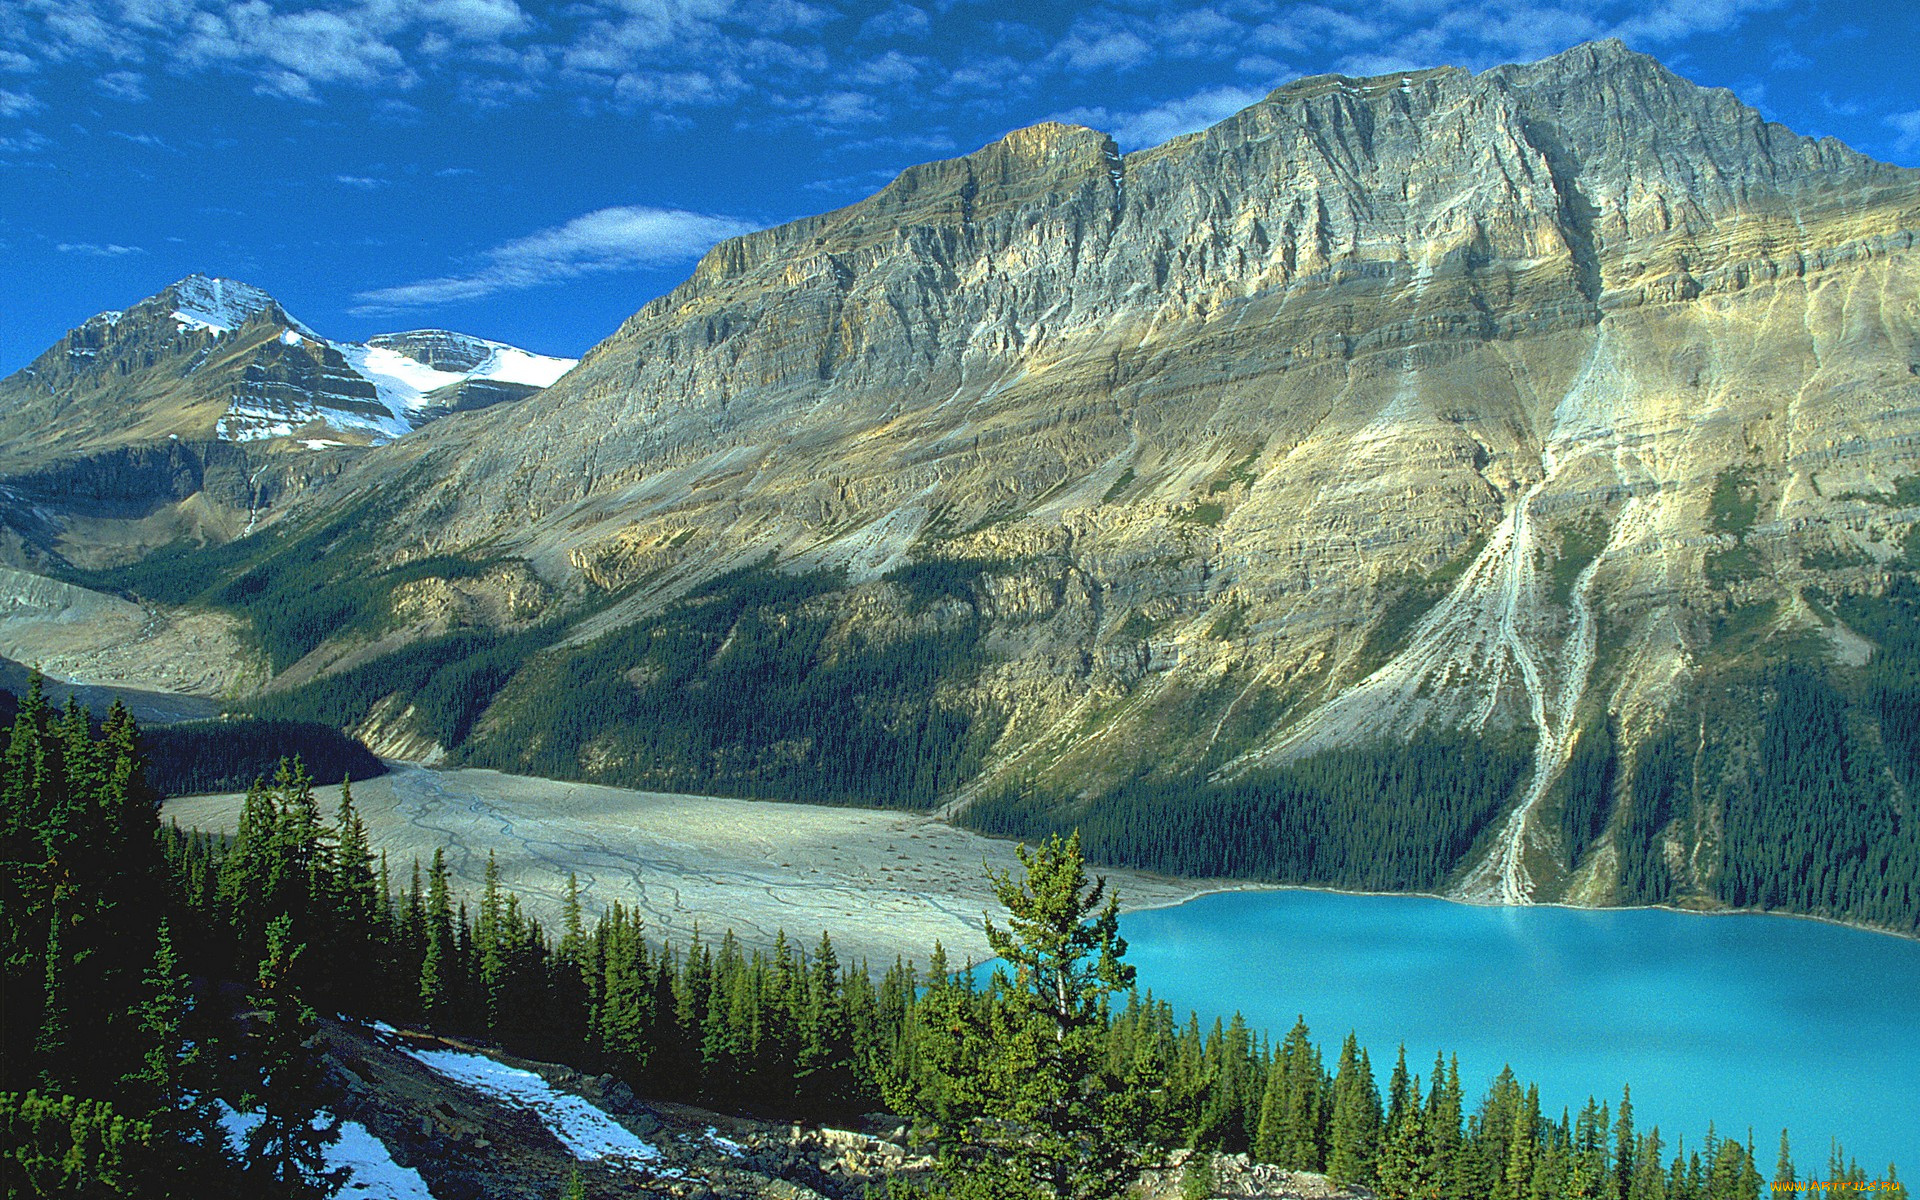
(882, 883)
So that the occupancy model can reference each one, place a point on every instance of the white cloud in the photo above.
(365, 183)
(1088, 47)
(128, 87)
(1906, 130)
(788, 61)
(149, 140)
(831, 111)
(900, 21)
(1311, 28)
(476, 20)
(1169, 119)
(289, 53)
(27, 141)
(891, 69)
(17, 104)
(109, 250)
(610, 239)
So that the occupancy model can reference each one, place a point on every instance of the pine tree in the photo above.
(1048, 1119)
(1402, 1093)
(1289, 1131)
(1649, 1177)
(356, 901)
(286, 1149)
(438, 962)
(1354, 1127)
(173, 1087)
(1409, 1167)
(1623, 1145)
(823, 1067)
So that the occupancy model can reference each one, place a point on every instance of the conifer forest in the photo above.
(154, 975)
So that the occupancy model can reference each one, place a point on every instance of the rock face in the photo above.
(1382, 405)
(1385, 403)
(209, 389)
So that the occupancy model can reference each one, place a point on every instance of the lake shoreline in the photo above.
(1187, 889)
(1211, 887)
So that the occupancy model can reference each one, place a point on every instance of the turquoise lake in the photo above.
(1745, 1020)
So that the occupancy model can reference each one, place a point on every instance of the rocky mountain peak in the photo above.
(440, 349)
(214, 304)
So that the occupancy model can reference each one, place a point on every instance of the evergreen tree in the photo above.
(1402, 1092)
(1354, 1128)
(1047, 1120)
(438, 961)
(286, 1148)
(174, 1085)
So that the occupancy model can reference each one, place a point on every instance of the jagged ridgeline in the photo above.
(1565, 411)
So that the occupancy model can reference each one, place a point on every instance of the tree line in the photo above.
(1817, 802)
(1388, 817)
(201, 959)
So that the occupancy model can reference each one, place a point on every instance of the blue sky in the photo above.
(536, 172)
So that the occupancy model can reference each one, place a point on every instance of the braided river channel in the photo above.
(1745, 1020)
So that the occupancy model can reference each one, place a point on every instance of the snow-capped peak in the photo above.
(217, 305)
(405, 367)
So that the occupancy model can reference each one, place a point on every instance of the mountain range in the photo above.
(1505, 477)
(213, 377)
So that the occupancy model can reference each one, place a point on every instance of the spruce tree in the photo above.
(1354, 1127)
(438, 962)
(1049, 1119)
(173, 1087)
(286, 1149)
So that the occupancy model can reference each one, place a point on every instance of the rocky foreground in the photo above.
(468, 1143)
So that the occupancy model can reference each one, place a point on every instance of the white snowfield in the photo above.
(403, 383)
(371, 1172)
(591, 1135)
(219, 306)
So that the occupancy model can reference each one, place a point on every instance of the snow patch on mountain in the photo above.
(216, 305)
(404, 382)
(509, 365)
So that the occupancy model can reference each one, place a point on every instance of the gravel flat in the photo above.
(884, 884)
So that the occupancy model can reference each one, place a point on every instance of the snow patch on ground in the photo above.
(374, 1173)
(371, 1171)
(590, 1134)
(728, 1144)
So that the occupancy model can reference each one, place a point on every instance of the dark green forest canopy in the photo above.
(1816, 797)
(228, 755)
(743, 688)
(1390, 816)
(114, 924)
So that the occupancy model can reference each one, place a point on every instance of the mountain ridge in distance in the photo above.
(1558, 408)
(134, 409)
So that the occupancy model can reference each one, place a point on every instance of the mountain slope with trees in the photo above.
(1053, 1078)
(1542, 405)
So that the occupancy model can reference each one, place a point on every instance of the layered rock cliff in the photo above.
(1512, 402)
